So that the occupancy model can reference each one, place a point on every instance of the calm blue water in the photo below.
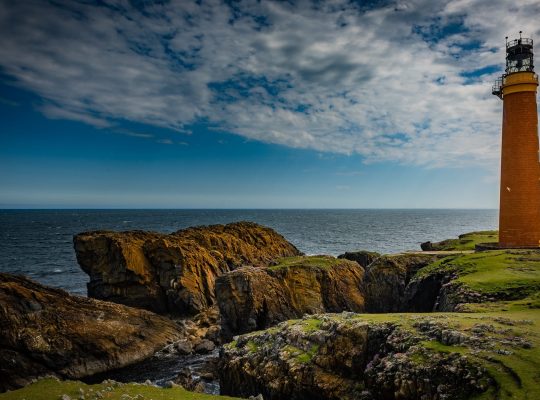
(38, 243)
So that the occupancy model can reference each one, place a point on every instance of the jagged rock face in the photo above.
(362, 257)
(329, 357)
(47, 331)
(256, 298)
(173, 273)
(387, 286)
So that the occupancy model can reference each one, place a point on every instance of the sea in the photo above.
(39, 243)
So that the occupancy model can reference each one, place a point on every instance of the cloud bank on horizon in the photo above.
(406, 81)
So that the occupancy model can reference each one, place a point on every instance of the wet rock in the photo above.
(189, 381)
(70, 336)
(184, 347)
(205, 346)
(427, 246)
(173, 273)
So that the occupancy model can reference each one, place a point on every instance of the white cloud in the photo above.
(332, 77)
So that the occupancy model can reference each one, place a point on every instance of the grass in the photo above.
(503, 274)
(467, 241)
(252, 346)
(311, 325)
(303, 357)
(51, 389)
(307, 261)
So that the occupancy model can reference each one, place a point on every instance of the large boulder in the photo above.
(256, 298)
(173, 273)
(47, 331)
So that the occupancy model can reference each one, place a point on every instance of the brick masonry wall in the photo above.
(519, 218)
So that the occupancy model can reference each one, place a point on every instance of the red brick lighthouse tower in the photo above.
(519, 215)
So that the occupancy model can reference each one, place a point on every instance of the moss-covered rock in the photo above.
(349, 356)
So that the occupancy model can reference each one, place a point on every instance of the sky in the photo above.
(253, 104)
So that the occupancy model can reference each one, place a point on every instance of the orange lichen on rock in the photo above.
(173, 273)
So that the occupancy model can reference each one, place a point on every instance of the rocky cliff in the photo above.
(489, 345)
(256, 298)
(331, 357)
(251, 298)
(387, 284)
(47, 331)
(173, 273)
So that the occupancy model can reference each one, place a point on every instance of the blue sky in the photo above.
(248, 105)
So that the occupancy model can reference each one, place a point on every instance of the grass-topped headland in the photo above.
(467, 241)
(497, 274)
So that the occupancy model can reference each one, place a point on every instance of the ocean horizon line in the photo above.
(242, 209)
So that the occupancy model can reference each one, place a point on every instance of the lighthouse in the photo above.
(519, 213)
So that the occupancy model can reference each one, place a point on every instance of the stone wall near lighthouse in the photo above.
(519, 220)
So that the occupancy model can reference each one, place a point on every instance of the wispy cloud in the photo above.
(391, 82)
(165, 141)
(141, 135)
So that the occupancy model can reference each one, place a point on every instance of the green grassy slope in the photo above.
(51, 389)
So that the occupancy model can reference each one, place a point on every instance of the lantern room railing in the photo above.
(518, 42)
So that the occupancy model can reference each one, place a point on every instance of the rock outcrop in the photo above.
(331, 357)
(387, 286)
(362, 257)
(256, 298)
(173, 273)
(467, 241)
(47, 331)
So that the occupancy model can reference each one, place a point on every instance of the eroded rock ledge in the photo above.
(173, 273)
(47, 331)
